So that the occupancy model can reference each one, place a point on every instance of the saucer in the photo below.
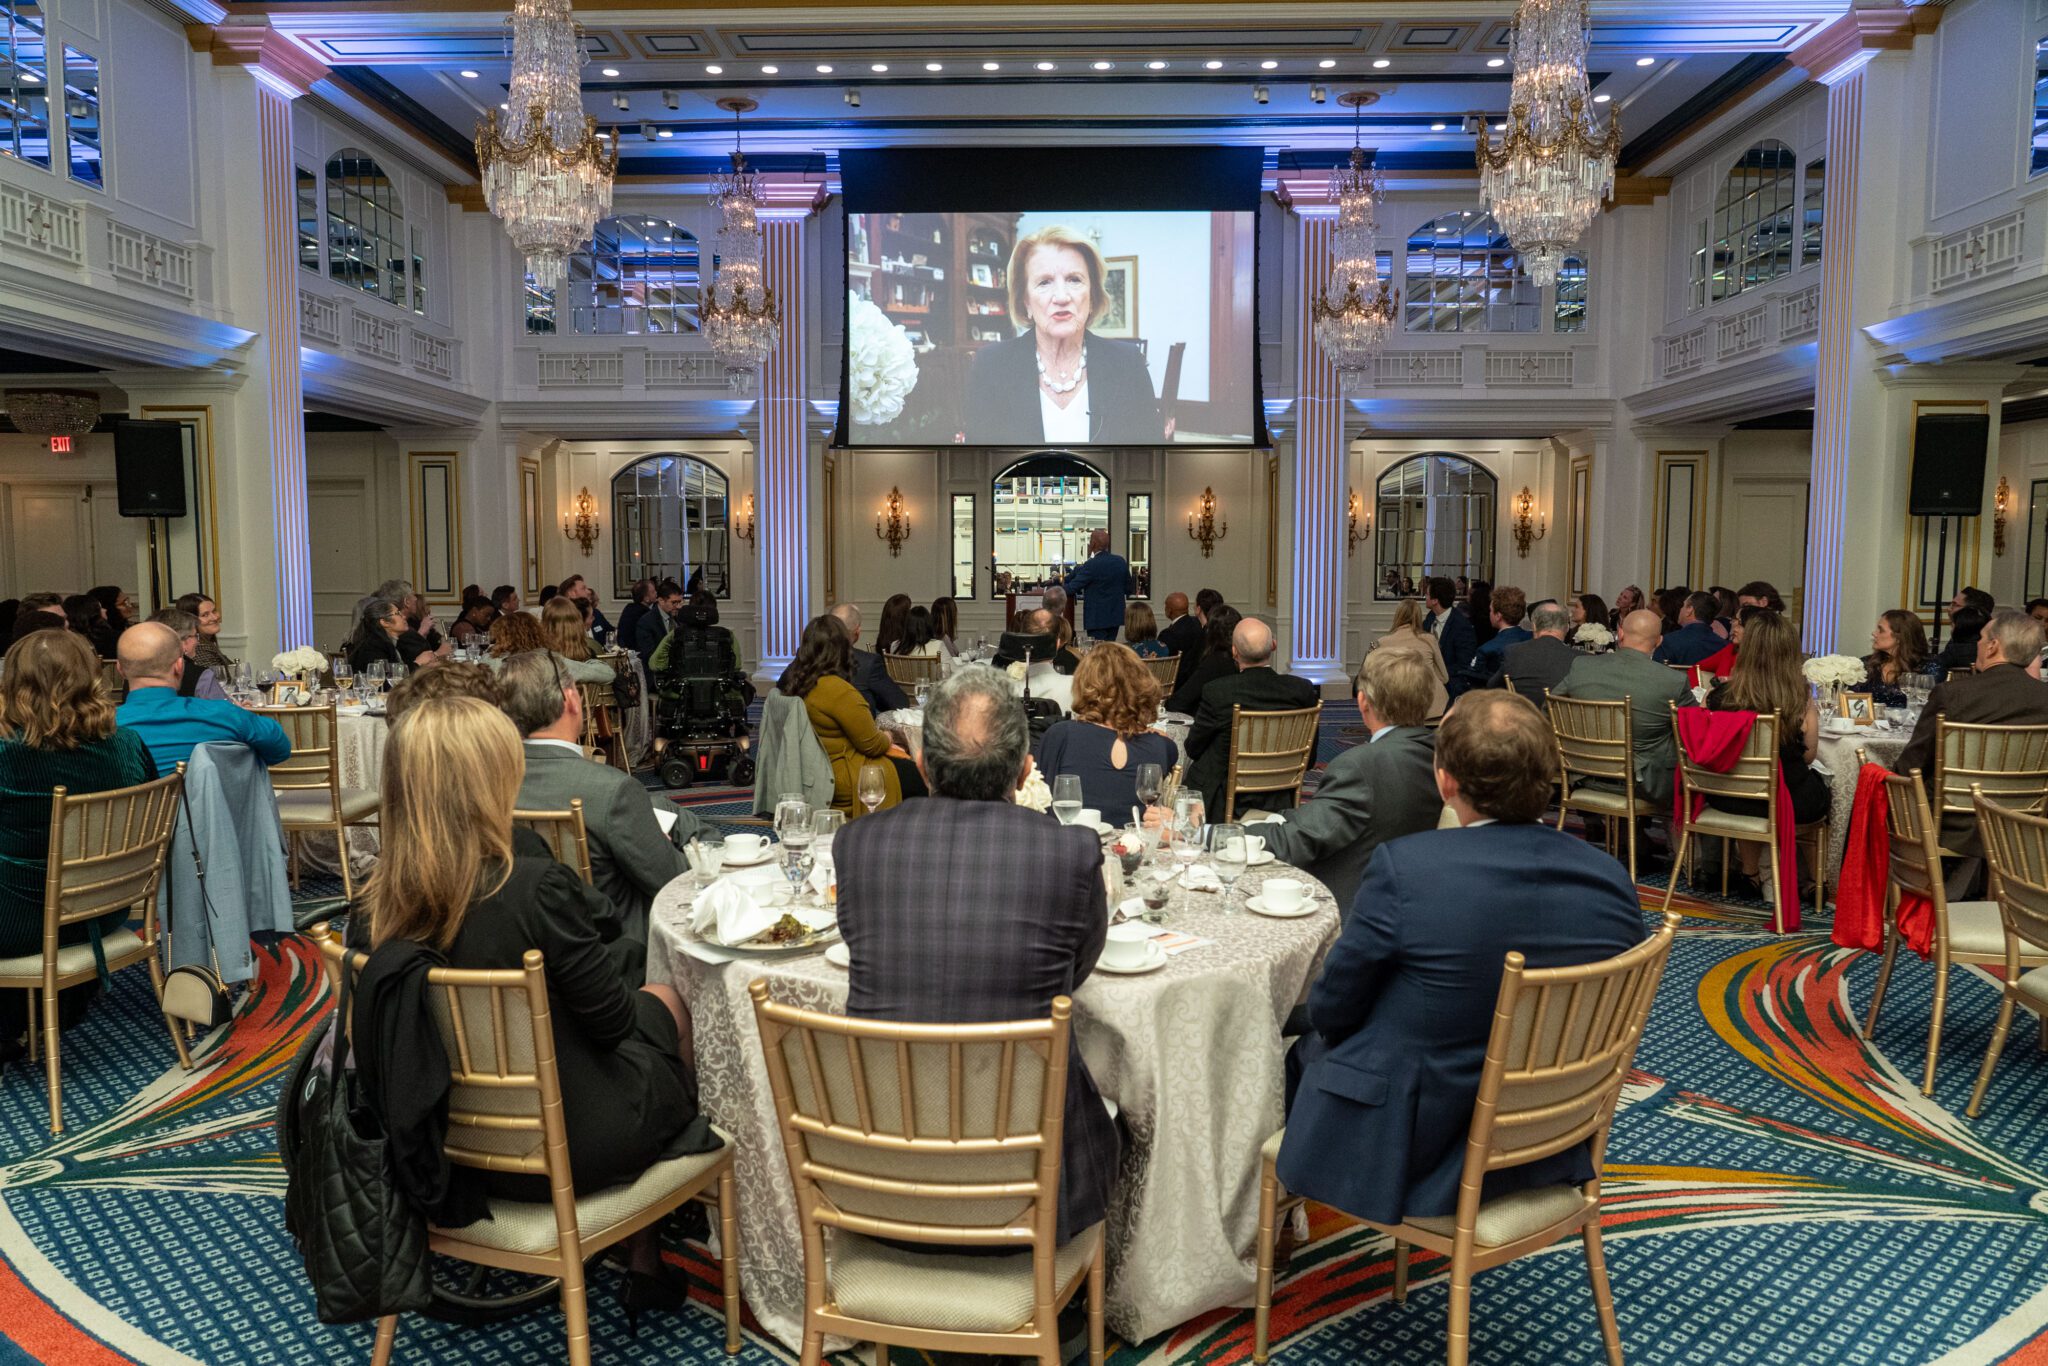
(837, 956)
(1260, 859)
(1155, 960)
(730, 861)
(1257, 905)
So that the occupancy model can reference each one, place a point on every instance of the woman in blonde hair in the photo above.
(1057, 382)
(1767, 679)
(1109, 732)
(1406, 636)
(462, 884)
(559, 624)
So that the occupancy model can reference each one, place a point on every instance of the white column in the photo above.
(1316, 651)
(782, 454)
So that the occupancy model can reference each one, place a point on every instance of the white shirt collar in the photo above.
(1378, 733)
(573, 748)
(1483, 820)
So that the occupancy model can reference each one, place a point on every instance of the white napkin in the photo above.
(1201, 877)
(727, 913)
(821, 875)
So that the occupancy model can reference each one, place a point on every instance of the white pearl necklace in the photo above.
(1071, 382)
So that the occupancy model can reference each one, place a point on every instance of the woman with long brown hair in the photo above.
(946, 624)
(462, 884)
(1767, 680)
(895, 618)
(1407, 636)
(1109, 731)
(1898, 650)
(822, 675)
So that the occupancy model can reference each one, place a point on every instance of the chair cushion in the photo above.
(529, 1226)
(950, 1294)
(2035, 984)
(75, 958)
(1714, 821)
(1975, 928)
(1608, 802)
(310, 806)
(1511, 1216)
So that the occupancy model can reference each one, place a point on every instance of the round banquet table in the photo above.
(1190, 1054)
(1838, 756)
(359, 741)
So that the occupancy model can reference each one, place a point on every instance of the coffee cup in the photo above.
(1284, 893)
(1127, 945)
(1090, 817)
(744, 848)
(1254, 845)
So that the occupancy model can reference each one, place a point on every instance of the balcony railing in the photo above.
(1778, 320)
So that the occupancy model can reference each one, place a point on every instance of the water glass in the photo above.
(1188, 818)
(1228, 851)
(1066, 797)
(924, 693)
(825, 823)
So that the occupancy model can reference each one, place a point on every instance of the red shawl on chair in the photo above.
(1716, 665)
(1714, 740)
(1866, 871)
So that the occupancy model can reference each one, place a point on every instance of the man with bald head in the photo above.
(1103, 585)
(1632, 672)
(1182, 633)
(153, 662)
(1256, 686)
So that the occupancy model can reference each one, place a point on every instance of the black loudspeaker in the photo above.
(1949, 450)
(149, 468)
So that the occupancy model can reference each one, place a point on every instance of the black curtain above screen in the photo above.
(997, 179)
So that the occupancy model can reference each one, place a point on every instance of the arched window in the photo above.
(1463, 276)
(1433, 514)
(1753, 236)
(1045, 506)
(637, 276)
(670, 520)
(366, 242)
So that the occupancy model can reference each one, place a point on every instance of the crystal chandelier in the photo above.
(1551, 171)
(740, 318)
(546, 172)
(1354, 313)
(53, 412)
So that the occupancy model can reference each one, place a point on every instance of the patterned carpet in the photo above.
(1778, 1190)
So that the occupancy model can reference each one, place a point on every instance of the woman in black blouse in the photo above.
(1216, 662)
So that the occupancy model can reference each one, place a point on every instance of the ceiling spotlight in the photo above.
(1472, 125)
(647, 131)
(1102, 66)
(1500, 127)
(1155, 65)
(666, 133)
(611, 71)
(619, 100)
(671, 99)
(1213, 65)
(934, 66)
(853, 97)
(714, 70)
(469, 75)
(1436, 128)
(504, 105)
(770, 69)
(879, 67)
(1316, 94)
(1327, 63)
(1260, 93)
(1496, 61)
(824, 68)
(1048, 66)
(1268, 64)
(1602, 99)
(1646, 61)
(1381, 64)
(991, 66)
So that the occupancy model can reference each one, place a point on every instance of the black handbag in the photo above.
(364, 1244)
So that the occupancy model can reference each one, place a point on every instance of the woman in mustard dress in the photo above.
(822, 675)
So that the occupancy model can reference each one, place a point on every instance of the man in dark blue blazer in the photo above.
(1381, 1092)
(1453, 631)
(1103, 585)
(965, 908)
(1695, 639)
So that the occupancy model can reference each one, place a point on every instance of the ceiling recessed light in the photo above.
(1268, 64)
(1500, 128)
(1155, 65)
(824, 68)
(934, 66)
(666, 133)
(1048, 66)
(469, 75)
(715, 69)
(1381, 64)
(991, 66)
(611, 71)
(879, 67)
(770, 69)
(1602, 99)
(1436, 128)
(1102, 66)
(1646, 61)
(1213, 65)
(504, 105)
(1327, 63)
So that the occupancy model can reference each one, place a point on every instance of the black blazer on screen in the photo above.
(1002, 395)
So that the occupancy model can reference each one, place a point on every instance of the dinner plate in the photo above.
(1155, 960)
(1257, 905)
(810, 943)
(837, 956)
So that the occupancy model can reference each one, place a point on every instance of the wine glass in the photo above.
(1228, 851)
(1066, 797)
(825, 823)
(873, 786)
(1150, 780)
(245, 676)
(793, 828)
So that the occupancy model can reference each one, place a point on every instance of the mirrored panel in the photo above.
(638, 276)
(366, 244)
(1463, 276)
(1138, 542)
(24, 86)
(669, 520)
(2037, 161)
(1433, 514)
(963, 545)
(82, 116)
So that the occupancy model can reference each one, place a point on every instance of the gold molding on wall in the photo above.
(828, 526)
(1667, 461)
(1579, 502)
(529, 525)
(419, 466)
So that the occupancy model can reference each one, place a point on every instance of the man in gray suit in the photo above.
(1649, 687)
(1373, 792)
(1543, 660)
(630, 858)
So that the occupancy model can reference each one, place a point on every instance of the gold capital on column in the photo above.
(276, 60)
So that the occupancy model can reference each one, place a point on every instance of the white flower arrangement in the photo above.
(1034, 794)
(1594, 637)
(1016, 671)
(881, 364)
(1828, 672)
(304, 660)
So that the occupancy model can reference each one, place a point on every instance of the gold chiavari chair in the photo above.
(1165, 671)
(603, 731)
(106, 854)
(2016, 848)
(1562, 1043)
(2010, 764)
(310, 797)
(907, 671)
(568, 838)
(947, 1136)
(1270, 751)
(1596, 765)
(1754, 777)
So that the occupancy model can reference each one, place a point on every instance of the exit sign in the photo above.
(60, 445)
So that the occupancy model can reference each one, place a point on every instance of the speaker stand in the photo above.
(1940, 582)
(156, 594)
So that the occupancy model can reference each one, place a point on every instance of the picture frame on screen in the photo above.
(1120, 284)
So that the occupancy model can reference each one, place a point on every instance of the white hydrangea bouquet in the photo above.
(1831, 673)
(881, 364)
(304, 660)
(1034, 794)
(1595, 637)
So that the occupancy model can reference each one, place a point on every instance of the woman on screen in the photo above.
(1057, 383)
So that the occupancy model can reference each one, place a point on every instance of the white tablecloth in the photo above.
(1838, 755)
(1191, 1054)
(360, 741)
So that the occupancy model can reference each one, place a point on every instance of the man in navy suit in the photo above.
(1381, 1091)
(1103, 585)
(1695, 639)
(1453, 631)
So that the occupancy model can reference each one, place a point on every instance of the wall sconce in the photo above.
(743, 525)
(892, 523)
(1530, 526)
(1357, 533)
(2001, 508)
(582, 528)
(1203, 526)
